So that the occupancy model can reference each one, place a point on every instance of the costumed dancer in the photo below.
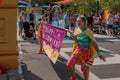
(85, 48)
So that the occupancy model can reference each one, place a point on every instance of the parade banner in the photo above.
(52, 40)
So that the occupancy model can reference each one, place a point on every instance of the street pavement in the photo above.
(39, 67)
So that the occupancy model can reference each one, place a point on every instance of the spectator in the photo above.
(21, 23)
(90, 21)
(67, 21)
(32, 18)
(117, 18)
(110, 24)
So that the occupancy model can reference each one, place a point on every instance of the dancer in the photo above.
(84, 50)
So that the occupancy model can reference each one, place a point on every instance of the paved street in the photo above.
(39, 67)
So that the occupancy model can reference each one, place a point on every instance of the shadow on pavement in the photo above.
(62, 70)
(28, 75)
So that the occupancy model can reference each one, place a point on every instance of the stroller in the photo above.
(29, 31)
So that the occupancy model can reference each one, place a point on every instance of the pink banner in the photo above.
(52, 40)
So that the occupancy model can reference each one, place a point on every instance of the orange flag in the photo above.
(106, 14)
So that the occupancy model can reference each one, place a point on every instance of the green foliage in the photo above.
(112, 5)
(90, 5)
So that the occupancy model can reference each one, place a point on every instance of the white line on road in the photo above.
(112, 78)
(109, 60)
(114, 40)
(108, 38)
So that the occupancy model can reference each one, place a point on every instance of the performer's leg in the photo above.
(72, 71)
(86, 66)
(71, 66)
(41, 47)
(86, 75)
(85, 69)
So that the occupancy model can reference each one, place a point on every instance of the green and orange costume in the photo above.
(83, 51)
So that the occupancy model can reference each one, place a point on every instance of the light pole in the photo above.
(97, 7)
(75, 5)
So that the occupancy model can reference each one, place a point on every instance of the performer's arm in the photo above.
(98, 51)
(72, 35)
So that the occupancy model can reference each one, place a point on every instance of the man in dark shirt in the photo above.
(32, 18)
(90, 21)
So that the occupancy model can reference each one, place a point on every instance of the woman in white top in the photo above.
(21, 22)
(110, 24)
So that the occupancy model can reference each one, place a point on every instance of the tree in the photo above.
(41, 2)
(87, 5)
(112, 5)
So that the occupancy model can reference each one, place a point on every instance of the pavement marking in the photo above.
(113, 40)
(112, 78)
(106, 50)
(108, 38)
(109, 60)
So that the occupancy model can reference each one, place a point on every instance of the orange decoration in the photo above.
(63, 2)
(106, 14)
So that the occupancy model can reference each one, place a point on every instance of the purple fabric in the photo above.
(53, 36)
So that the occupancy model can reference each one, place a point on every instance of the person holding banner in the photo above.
(42, 19)
(84, 50)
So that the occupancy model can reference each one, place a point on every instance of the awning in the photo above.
(63, 2)
(23, 3)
